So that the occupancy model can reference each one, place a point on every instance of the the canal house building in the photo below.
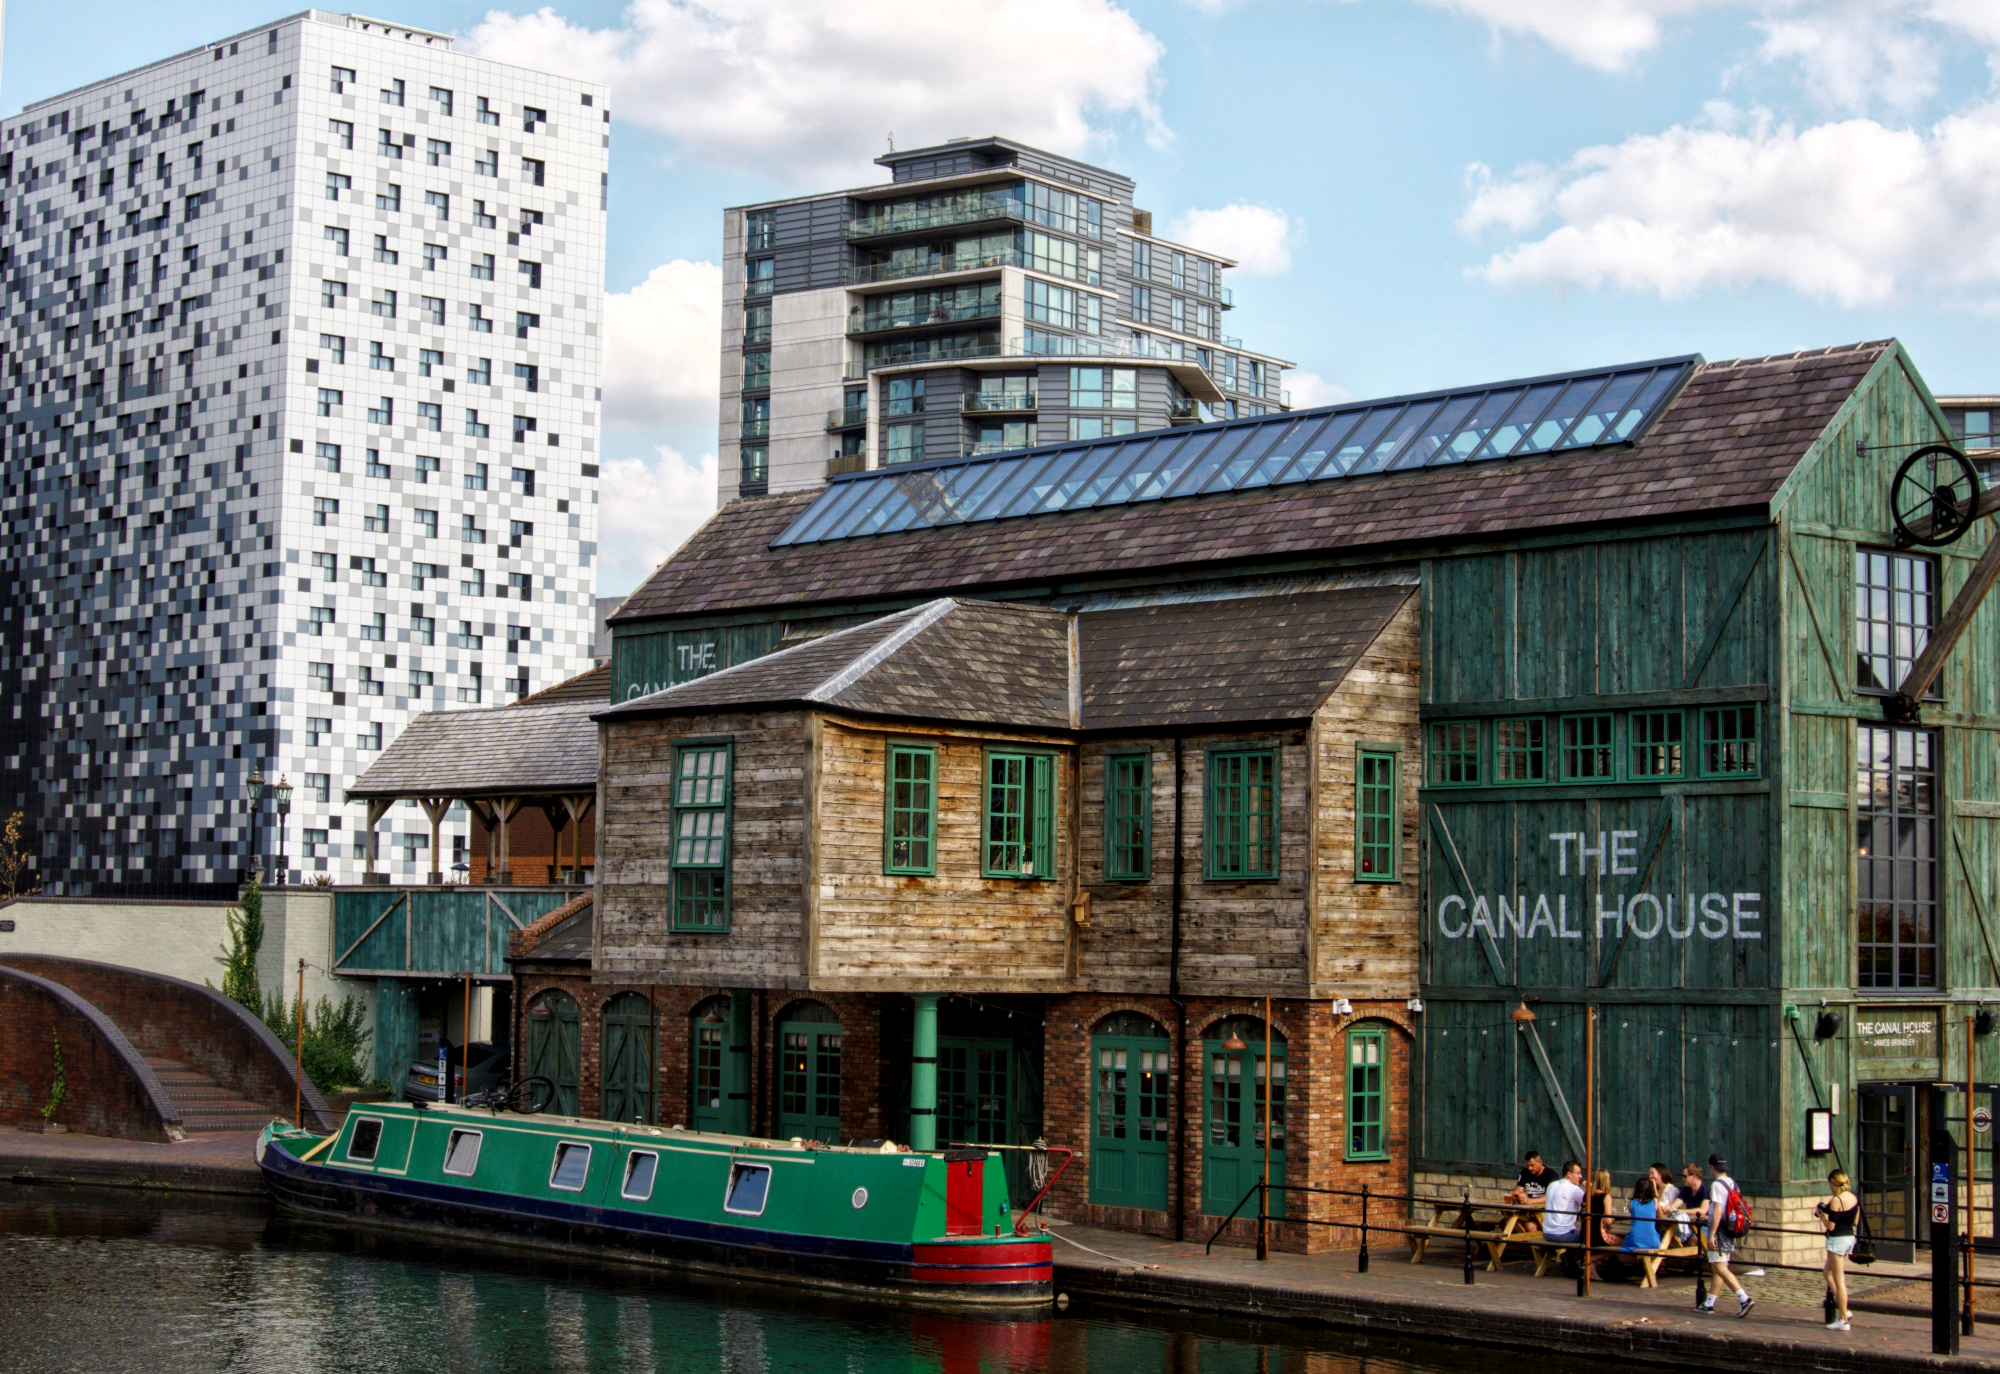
(1004, 790)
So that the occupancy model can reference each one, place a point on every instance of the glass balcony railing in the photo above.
(990, 402)
(930, 267)
(848, 418)
(846, 462)
(1183, 413)
(979, 448)
(909, 220)
(870, 321)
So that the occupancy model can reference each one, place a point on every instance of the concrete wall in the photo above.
(184, 939)
(808, 362)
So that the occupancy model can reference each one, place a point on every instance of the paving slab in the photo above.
(1513, 1308)
(210, 1162)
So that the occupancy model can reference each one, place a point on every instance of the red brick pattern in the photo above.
(106, 1091)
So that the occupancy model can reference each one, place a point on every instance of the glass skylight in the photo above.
(1538, 415)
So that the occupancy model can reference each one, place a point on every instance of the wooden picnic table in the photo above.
(1449, 1218)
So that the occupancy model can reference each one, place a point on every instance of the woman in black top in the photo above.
(1838, 1214)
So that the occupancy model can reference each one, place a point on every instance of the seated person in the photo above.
(1562, 1216)
(1530, 1186)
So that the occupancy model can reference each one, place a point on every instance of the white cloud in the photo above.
(1600, 33)
(647, 510)
(1856, 54)
(1853, 212)
(797, 88)
(663, 347)
(1259, 238)
(1309, 389)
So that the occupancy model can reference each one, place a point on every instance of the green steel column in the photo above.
(923, 1073)
(736, 1105)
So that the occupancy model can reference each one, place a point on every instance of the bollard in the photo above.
(1361, 1267)
(1466, 1217)
(1583, 1266)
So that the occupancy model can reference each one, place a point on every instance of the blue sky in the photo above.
(1433, 191)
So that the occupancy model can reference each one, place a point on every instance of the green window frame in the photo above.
(1375, 812)
(1655, 744)
(1242, 815)
(909, 810)
(701, 816)
(1729, 743)
(1521, 750)
(1454, 753)
(1367, 1094)
(1588, 749)
(1128, 817)
(1018, 817)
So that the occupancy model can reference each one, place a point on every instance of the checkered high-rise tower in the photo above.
(301, 368)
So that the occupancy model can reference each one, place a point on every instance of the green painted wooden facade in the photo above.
(1694, 911)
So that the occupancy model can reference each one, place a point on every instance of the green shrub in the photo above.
(336, 1037)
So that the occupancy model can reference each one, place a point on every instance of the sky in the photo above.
(1422, 193)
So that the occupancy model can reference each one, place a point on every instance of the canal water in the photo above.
(101, 1282)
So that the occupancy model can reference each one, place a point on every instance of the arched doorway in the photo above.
(555, 1047)
(625, 1050)
(1233, 1113)
(1131, 1112)
(710, 1108)
(809, 1042)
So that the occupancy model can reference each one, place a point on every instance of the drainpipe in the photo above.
(923, 1072)
(1180, 1006)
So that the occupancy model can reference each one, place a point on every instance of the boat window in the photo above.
(461, 1153)
(749, 1185)
(571, 1167)
(639, 1169)
(367, 1139)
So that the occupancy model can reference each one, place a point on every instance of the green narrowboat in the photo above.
(883, 1222)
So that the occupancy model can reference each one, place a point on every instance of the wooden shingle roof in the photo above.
(503, 751)
(1726, 444)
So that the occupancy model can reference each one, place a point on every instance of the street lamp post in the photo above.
(282, 795)
(254, 785)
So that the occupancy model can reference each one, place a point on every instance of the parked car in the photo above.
(488, 1064)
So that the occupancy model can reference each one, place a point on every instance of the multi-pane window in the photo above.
(1367, 1094)
(755, 465)
(1375, 816)
(762, 277)
(335, 346)
(701, 837)
(1242, 814)
(1587, 754)
(903, 443)
(1454, 753)
(439, 201)
(1729, 741)
(1128, 817)
(1654, 744)
(338, 238)
(911, 820)
(1106, 388)
(1520, 751)
(319, 786)
(756, 324)
(1896, 842)
(325, 508)
(328, 455)
(760, 230)
(1019, 816)
(482, 266)
(1894, 597)
(1133, 1092)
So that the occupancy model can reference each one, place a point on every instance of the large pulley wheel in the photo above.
(1934, 496)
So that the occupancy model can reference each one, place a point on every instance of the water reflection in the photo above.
(111, 1282)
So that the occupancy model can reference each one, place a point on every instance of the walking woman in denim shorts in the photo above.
(1838, 1215)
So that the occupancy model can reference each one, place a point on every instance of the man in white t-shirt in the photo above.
(1717, 1244)
(1562, 1209)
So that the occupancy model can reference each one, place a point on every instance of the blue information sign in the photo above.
(1940, 1173)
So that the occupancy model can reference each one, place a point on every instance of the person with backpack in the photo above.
(1725, 1220)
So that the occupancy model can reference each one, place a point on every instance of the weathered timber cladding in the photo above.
(956, 929)
(635, 938)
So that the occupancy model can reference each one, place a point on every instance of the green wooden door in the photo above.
(975, 1083)
(708, 1048)
(1232, 1157)
(1132, 1064)
(555, 1047)
(626, 1051)
(809, 1038)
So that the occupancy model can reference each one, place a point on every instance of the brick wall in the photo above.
(1315, 1114)
(108, 1090)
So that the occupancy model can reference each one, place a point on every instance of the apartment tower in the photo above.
(991, 296)
(301, 361)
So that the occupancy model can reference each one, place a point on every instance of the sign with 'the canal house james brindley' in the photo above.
(1644, 915)
(1896, 1041)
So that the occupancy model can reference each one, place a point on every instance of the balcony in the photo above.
(986, 210)
(930, 267)
(1183, 413)
(846, 462)
(981, 448)
(890, 321)
(997, 403)
(852, 417)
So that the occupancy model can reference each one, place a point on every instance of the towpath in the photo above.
(1515, 1309)
(211, 1162)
